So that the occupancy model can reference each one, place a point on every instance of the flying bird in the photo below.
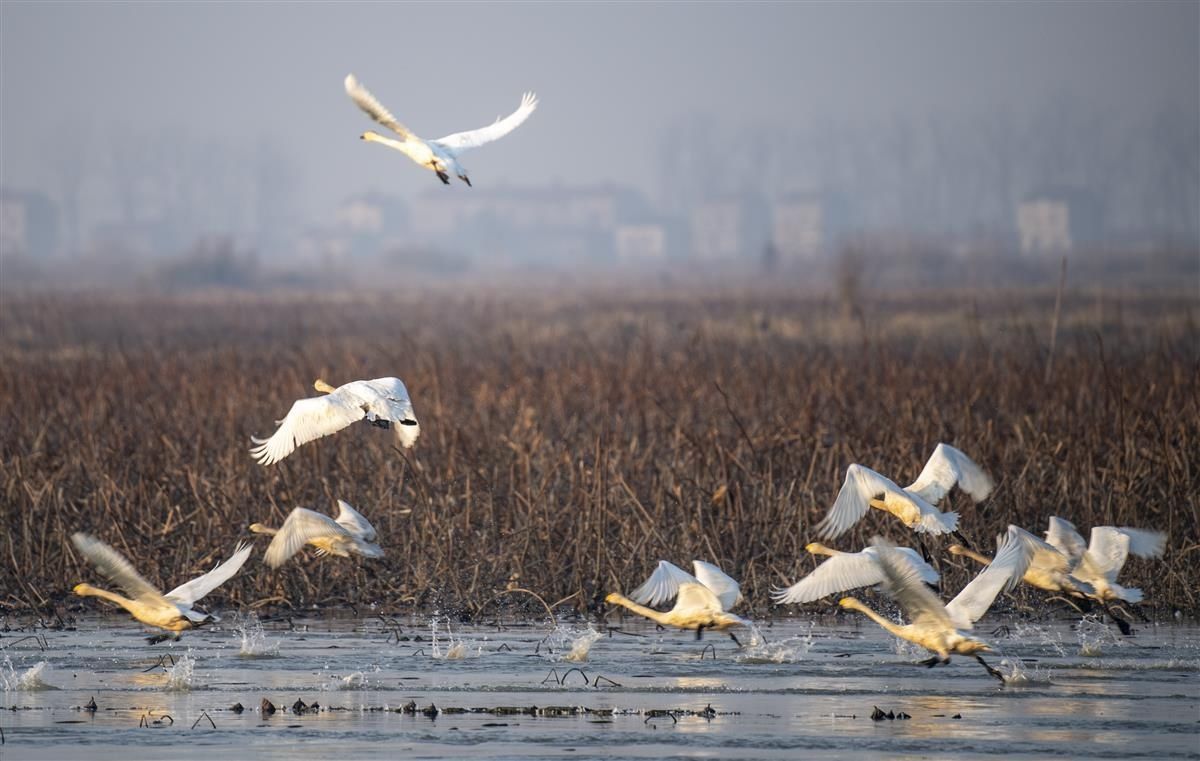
(844, 571)
(380, 402)
(943, 628)
(349, 533)
(1099, 562)
(173, 611)
(702, 601)
(913, 504)
(439, 156)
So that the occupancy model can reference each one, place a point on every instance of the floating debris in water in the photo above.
(237, 708)
(91, 704)
(267, 707)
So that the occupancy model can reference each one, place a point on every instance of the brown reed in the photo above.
(571, 440)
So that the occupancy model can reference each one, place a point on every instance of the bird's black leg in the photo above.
(924, 552)
(965, 542)
(154, 639)
(699, 631)
(930, 662)
(734, 638)
(445, 178)
(990, 670)
(465, 179)
(1121, 623)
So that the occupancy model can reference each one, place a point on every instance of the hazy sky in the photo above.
(610, 76)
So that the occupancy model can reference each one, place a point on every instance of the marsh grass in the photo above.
(569, 441)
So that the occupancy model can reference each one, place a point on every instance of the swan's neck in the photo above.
(854, 604)
(258, 528)
(816, 548)
(87, 590)
(375, 137)
(641, 610)
(323, 387)
(978, 558)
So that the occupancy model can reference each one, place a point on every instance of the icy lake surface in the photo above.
(796, 689)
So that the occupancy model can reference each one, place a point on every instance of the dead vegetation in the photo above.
(569, 442)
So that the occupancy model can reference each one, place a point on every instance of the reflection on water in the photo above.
(439, 690)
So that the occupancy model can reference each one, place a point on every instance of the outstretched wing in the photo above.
(837, 574)
(308, 419)
(728, 591)
(1063, 537)
(196, 589)
(947, 467)
(116, 568)
(301, 525)
(663, 584)
(861, 485)
(903, 582)
(354, 522)
(1003, 573)
(1110, 547)
(374, 109)
(461, 141)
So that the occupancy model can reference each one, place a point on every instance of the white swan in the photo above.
(441, 155)
(701, 601)
(173, 611)
(349, 533)
(844, 571)
(1049, 569)
(913, 505)
(381, 402)
(1101, 560)
(943, 628)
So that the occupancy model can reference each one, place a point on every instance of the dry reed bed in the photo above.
(570, 442)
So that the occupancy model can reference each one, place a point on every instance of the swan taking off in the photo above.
(1100, 561)
(349, 533)
(942, 628)
(701, 601)
(441, 155)
(173, 611)
(844, 571)
(381, 402)
(913, 505)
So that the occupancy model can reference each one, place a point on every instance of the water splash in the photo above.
(456, 649)
(1016, 673)
(254, 638)
(353, 681)
(1094, 636)
(788, 650)
(181, 676)
(29, 680)
(567, 643)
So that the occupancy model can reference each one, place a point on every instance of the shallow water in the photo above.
(800, 689)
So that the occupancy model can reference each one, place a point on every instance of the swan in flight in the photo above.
(349, 533)
(701, 601)
(844, 571)
(1099, 562)
(381, 402)
(173, 611)
(441, 155)
(943, 629)
(914, 504)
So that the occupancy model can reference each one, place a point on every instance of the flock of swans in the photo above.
(1084, 573)
(1081, 572)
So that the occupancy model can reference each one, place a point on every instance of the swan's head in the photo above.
(816, 548)
(612, 597)
(371, 137)
(955, 549)
(84, 590)
(258, 528)
(850, 603)
(323, 387)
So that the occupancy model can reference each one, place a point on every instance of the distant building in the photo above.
(728, 229)
(642, 243)
(511, 226)
(28, 224)
(1057, 221)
